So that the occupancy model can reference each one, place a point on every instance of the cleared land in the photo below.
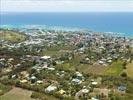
(94, 69)
(52, 53)
(17, 94)
(129, 70)
(57, 50)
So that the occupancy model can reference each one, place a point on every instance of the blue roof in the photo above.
(121, 88)
(1, 65)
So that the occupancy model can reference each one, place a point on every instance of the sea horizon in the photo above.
(116, 22)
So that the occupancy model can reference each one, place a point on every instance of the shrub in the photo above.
(123, 74)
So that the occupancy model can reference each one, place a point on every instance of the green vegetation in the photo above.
(129, 88)
(122, 97)
(114, 69)
(51, 52)
(42, 96)
(12, 36)
(4, 89)
(93, 69)
(57, 50)
(129, 70)
(69, 63)
(66, 66)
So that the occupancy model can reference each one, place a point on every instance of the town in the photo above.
(66, 65)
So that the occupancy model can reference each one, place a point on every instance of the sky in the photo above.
(66, 5)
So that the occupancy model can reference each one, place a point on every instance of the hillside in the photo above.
(12, 36)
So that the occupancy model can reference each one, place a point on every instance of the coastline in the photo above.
(61, 28)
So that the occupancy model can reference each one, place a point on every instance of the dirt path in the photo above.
(129, 70)
(17, 94)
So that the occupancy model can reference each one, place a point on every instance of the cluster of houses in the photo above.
(98, 48)
(91, 88)
(6, 64)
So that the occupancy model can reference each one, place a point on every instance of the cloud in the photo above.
(66, 5)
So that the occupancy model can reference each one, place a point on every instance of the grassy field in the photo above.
(57, 51)
(17, 94)
(51, 53)
(4, 89)
(42, 96)
(12, 36)
(94, 69)
(129, 70)
(123, 97)
(114, 69)
(66, 66)
(73, 63)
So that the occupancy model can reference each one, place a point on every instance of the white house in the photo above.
(50, 89)
(76, 81)
(45, 57)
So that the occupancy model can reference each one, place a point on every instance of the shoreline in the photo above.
(62, 28)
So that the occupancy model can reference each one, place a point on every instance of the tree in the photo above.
(131, 58)
(124, 64)
(17, 83)
(54, 63)
(123, 74)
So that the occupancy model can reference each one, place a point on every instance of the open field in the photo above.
(42, 96)
(66, 66)
(129, 70)
(12, 36)
(4, 89)
(17, 94)
(73, 63)
(51, 53)
(94, 69)
(126, 96)
(57, 50)
(114, 69)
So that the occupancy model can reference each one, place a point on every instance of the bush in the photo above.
(18, 83)
(123, 74)
(37, 95)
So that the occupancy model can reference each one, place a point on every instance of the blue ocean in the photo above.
(121, 22)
